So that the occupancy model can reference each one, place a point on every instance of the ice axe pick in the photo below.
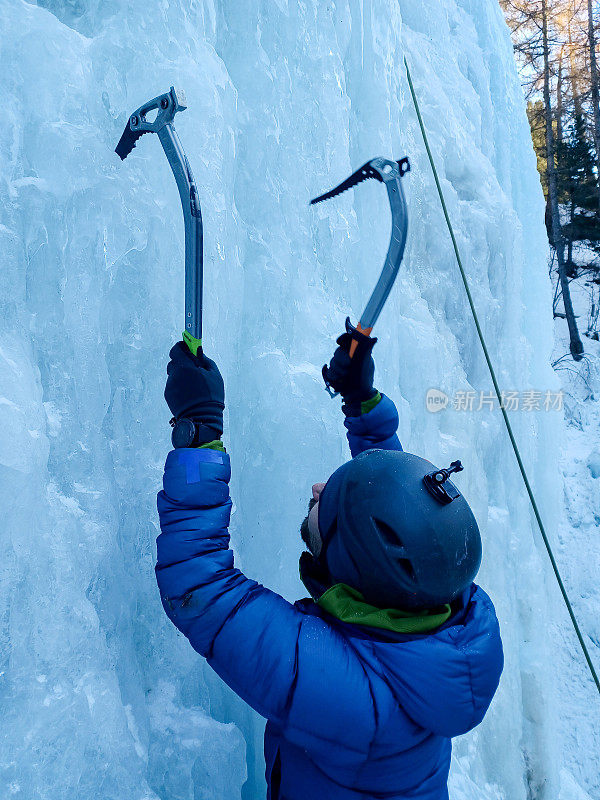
(389, 173)
(144, 121)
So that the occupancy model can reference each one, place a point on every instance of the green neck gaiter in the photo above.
(348, 605)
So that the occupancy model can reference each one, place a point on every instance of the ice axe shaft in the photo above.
(166, 106)
(389, 173)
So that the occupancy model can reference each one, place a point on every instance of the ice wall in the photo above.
(100, 697)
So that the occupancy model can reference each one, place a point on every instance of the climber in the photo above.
(364, 685)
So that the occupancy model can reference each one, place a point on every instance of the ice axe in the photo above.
(390, 173)
(166, 106)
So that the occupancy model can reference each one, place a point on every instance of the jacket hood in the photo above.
(445, 681)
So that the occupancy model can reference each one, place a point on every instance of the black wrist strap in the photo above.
(202, 433)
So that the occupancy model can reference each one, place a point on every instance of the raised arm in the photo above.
(248, 634)
(375, 428)
(282, 662)
(371, 418)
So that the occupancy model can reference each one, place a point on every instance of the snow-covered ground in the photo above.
(578, 553)
(99, 696)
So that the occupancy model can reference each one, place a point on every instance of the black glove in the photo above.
(195, 390)
(352, 377)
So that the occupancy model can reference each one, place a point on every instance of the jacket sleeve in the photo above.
(375, 429)
(282, 662)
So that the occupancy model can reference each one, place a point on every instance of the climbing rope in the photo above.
(497, 388)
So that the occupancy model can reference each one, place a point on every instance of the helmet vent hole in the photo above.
(388, 533)
(408, 568)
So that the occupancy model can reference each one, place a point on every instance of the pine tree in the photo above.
(554, 43)
(581, 163)
(595, 87)
(535, 114)
(575, 345)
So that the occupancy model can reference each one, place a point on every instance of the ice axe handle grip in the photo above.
(194, 345)
(354, 343)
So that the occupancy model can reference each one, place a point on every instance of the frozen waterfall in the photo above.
(100, 696)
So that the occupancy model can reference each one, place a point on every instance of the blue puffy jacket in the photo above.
(352, 712)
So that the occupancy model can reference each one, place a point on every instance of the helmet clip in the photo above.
(440, 487)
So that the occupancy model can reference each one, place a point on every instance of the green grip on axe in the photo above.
(193, 344)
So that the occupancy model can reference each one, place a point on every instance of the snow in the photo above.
(578, 547)
(100, 696)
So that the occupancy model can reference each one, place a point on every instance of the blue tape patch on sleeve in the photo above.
(207, 455)
(191, 458)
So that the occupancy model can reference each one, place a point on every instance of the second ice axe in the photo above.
(166, 106)
(390, 173)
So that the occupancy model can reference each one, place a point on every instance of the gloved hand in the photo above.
(195, 390)
(352, 377)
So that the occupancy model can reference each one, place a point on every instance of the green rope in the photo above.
(497, 388)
